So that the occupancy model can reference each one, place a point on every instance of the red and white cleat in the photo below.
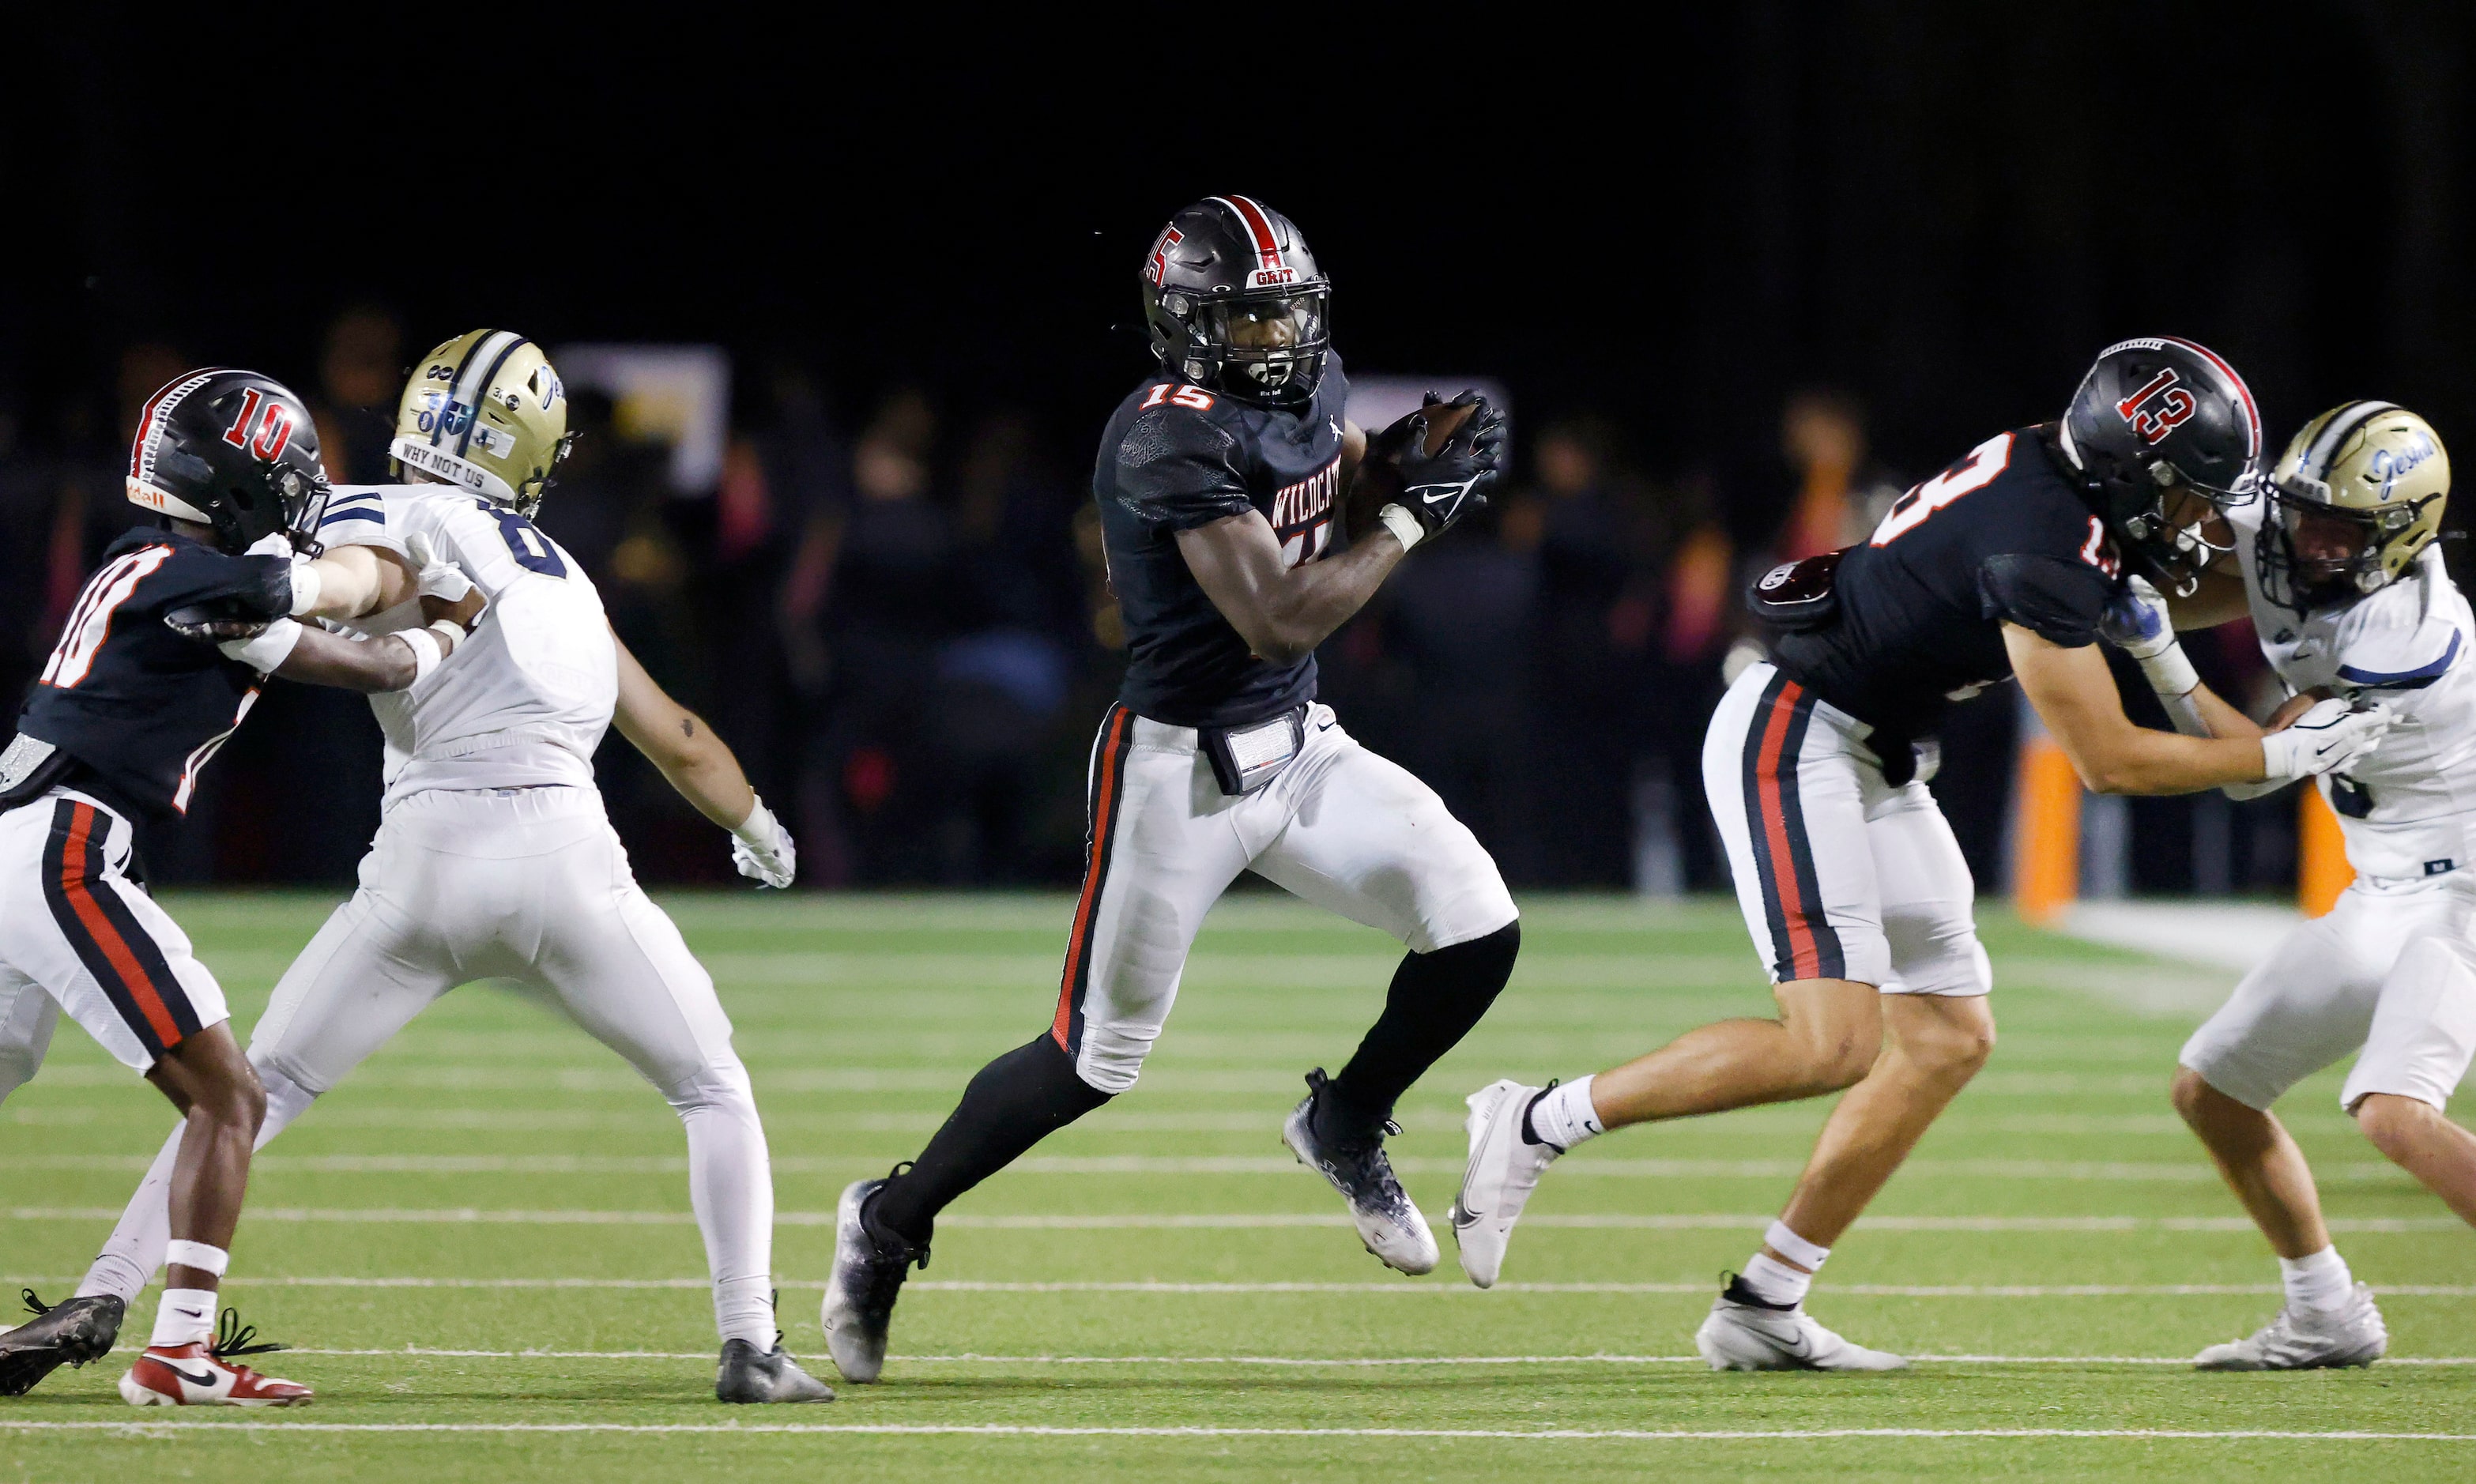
(202, 1375)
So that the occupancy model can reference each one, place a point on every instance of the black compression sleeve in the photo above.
(1013, 1104)
(1435, 1000)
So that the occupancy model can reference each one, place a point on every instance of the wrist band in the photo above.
(1403, 525)
(272, 647)
(450, 632)
(425, 650)
(196, 1254)
(307, 586)
(757, 829)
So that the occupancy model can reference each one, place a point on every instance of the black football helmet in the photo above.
(2154, 417)
(233, 450)
(1235, 303)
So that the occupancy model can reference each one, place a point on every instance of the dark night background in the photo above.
(1672, 223)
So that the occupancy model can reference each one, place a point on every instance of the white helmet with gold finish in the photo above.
(2357, 496)
(485, 413)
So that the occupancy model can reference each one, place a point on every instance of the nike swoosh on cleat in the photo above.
(208, 1379)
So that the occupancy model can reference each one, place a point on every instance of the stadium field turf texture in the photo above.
(481, 1243)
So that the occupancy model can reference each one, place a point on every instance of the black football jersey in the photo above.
(1177, 457)
(2001, 537)
(141, 708)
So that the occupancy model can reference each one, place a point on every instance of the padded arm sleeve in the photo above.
(1174, 471)
(259, 585)
(2059, 600)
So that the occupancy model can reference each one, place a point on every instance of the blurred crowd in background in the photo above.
(893, 606)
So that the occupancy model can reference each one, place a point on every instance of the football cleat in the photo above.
(1504, 1169)
(201, 1373)
(1743, 1333)
(1388, 1223)
(748, 1373)
(870, 1265)
(61, 1334)
(2301, 1339)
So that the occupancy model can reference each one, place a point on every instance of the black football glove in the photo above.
(216, 623)
(1441, 489)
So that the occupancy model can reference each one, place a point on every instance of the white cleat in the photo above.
(1744, 1334)
(1504, 1169)
(1389, 1224)
(2302, 1338)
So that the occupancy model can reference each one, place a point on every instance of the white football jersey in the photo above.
(525, 698)
(2409, 809)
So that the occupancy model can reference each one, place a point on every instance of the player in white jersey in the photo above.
(494, 858)
(2344, 581)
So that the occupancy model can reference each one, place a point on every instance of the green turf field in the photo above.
(481, 1244)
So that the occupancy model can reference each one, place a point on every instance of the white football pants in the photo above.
(1841, 875)
(2386, 970)
(529, 884)
(1339, 827)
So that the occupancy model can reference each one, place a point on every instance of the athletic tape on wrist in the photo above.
(307, 586)
(757, 829)
(425, 650)
(1795, 1249)
(2170, 673)
(272, 647)
(1403, 525)
(196, 1254)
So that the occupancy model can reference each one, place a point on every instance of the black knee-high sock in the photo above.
(1011, 1104)
(1435, 1000)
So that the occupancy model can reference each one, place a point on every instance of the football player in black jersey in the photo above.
(1221, 484)
(1851, 883)
(162, 656)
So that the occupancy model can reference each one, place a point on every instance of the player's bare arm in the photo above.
(1283, 612)
(351, 582)
(2074, 695)
(678, 742)
(703, 768)
(1435, 465)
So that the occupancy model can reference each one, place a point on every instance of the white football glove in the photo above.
(762, 849)
(435, 576)
(2330, 739)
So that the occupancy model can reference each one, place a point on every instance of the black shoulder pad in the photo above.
(1174, 469)
(2059, 600)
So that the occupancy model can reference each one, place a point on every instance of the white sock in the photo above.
(1774, 1281)
(731, 1185)
(2321, 1282)
(134, 1249)
(1562, 1115)
(186, 1315)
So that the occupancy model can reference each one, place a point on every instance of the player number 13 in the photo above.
(1975, 471)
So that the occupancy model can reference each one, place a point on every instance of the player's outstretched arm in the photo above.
(350, 582)
(703, 768)
(2074, 694)
(1283, 612)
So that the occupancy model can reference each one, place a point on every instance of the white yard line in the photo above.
(1247, 1221)
(1007, 1430)
(2113, 1171)
(1311, 1363)
(1437, 1289)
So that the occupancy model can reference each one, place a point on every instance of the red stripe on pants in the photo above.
(1804, 956)
(1105, 819)
(115, 949)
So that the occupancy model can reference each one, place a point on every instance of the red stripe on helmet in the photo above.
(2244, 393)
(1268, 246)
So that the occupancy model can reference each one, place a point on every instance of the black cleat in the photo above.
(1388, 1223)
(751, 1375)
(870, 1265)
(69, 1334)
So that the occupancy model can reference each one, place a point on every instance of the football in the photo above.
(1443, 422)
